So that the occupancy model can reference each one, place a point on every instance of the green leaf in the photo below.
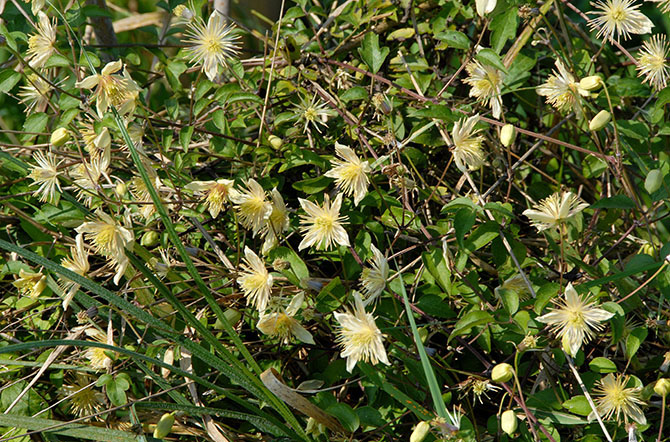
(297, 272)
(346, 415)
(614, 202)
(331, 296)
(8, 79)
(634, 340)
(371, 53)
(401, 34)
(503, 27)
(35, 124)
(489, 57)
(463, 222)
(437, 267)
(354, 93)
(471, 319)
(578, 405)
(185, 135)
(602, 365)
(116, 391)
(313, 185)
(454, 39)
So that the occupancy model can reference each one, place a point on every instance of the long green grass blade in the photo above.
(54, 427)
(435, 391)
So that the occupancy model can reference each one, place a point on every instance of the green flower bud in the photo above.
(662, 387)
(507, 135)
(600, 120)
(509, 422)
(653, 181)
(120, 189)
(59, 137)
(150, 238)
(590, 83)
(502, 373)
(275, 142)
(164, 426)
(420, 432)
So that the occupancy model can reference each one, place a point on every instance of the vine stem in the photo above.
(660, 427)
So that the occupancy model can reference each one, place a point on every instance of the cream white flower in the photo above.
(35, 94)
(485, 6)
(82, 398)
(663, 5)
(485, 83)
(652, 62)
(283, 324)
(314, 113)
(615, 399)
(350, 173)
(618, 18)
(252, 206)
(375, 277)
(42, 44)
(359, 336)
(277, 223)
(322, 226)
(555, 209)
(110, 240)
(575, 320)
(255, 281)
(77, 263)
(112, 90)
(217, 193)
(95, 143)
(46, 175)
(562, 90)
(98, 356)
(86, 176)
(211, 44)
(467, 149)
(30, 284)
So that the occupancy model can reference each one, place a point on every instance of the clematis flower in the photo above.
(322, 226)
(350, 173)
(255, 281)
(359, 336)
(211, 44)
(284, 325)
(112, 90)
(576, 320)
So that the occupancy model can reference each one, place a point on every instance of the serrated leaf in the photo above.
(371, 53)
(503, 27)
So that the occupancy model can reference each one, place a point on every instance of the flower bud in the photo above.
(502, 373)
(508, 422)
(420, 432)
(507, 135)
(590, 83)
(150, 239)
(662, 387)
(653, 181)
(600, 120)
(120, 189)
(59, 137)
(164, 426)
(275, 142)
